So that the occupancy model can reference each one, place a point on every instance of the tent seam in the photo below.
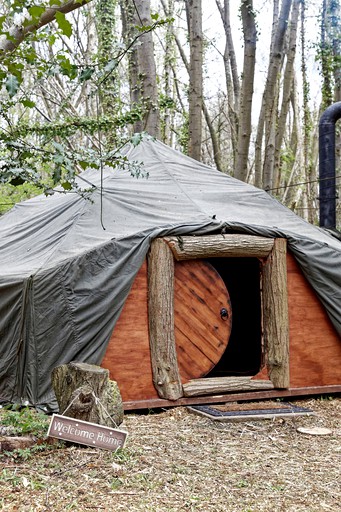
(70, 312)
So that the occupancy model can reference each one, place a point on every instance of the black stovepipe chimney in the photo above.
(327, 165)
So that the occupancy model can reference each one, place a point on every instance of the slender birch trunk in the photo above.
(268, 114)
(194, 18)
(245, 110)
(288, 79)
(231, 74)
(168, 62)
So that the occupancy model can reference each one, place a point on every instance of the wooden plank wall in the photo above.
(128, 353)
(315, 347)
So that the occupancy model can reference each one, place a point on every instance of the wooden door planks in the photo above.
(201, 334)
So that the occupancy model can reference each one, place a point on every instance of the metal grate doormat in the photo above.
(247, 411)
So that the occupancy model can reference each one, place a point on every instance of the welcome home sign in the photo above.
(83, 432)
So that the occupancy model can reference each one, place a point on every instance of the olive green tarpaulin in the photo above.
(67, 263)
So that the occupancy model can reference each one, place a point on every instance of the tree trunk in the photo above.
(231, 74)
(169, 57)
(288, 79)
(84, 391)
(307, 125)
(128, 34)
(219, 385)
(142, 68)
(194, 18)
(211, 129)
(11, 443)
(258, 149)
(214, 138)
(107, 49)
(293, 150)
(325, 53)
(336, 44)
(245, 111)
(268, 114)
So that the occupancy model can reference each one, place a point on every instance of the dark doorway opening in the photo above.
(243, 355)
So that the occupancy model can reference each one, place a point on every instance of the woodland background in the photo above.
(239, 85)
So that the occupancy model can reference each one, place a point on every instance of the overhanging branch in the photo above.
(18, 34)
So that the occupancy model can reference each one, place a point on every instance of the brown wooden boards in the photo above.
(315, 347)
(233, 397)
(128, 354)
(203, 317)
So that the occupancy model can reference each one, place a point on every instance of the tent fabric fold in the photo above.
(67, 262)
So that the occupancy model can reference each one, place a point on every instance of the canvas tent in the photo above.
(67, 263)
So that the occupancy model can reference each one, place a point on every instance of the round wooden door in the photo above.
(202, 317)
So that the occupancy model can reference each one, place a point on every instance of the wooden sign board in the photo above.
(83, 432)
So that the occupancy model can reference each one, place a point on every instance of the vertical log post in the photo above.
(275, 315)
(165, 369)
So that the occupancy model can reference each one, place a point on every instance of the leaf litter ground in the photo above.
(178, 461)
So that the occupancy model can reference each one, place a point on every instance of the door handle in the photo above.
(224, 314)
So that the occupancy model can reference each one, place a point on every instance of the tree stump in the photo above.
(84, 391)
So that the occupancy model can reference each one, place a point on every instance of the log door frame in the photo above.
(274, 299)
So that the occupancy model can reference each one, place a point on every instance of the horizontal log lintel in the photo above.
(219, 246)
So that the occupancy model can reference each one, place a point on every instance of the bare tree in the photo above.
(336, 43)
(168, 72)
(267, 117)
(142, 67)
(194, 19)
(287, 88)
(213, 133)
(231, 70)
(245, 108)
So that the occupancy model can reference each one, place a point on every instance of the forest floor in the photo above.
(175, 460)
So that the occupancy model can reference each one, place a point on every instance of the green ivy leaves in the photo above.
(35, 11)
(64, 25)
(12, 85)
(86, 74)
